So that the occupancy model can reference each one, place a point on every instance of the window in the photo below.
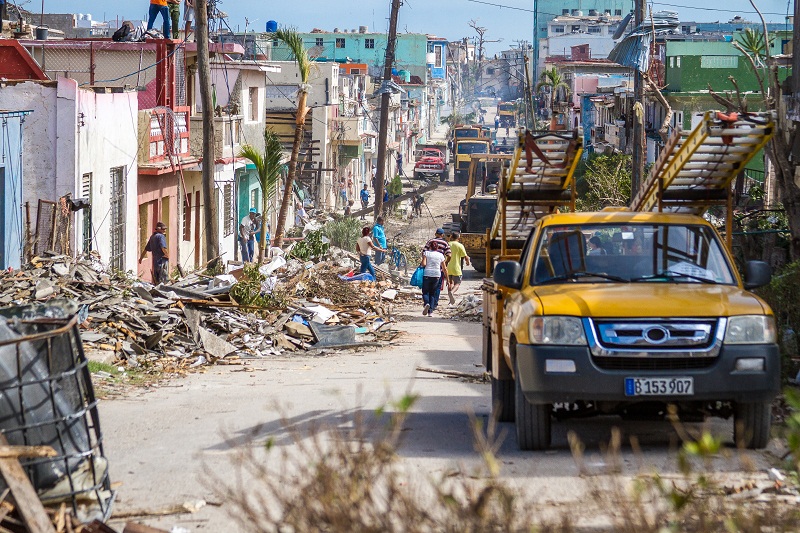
(231, 133)
(318, 42)
(575, 28)
(595, 29)
(339, 42)
(565, 11)
(731, 62)
(618, 12)
(558, 29)
(187, 217)
(227, 201)
(369, 43)
(490, 71)
(254, 198)
(438, 57)
(686, 29)
(86, 192)
(253, 100)
(671, 62)
(117, 259)
(678, 61)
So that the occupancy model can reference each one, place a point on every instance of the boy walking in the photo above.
(454, 266)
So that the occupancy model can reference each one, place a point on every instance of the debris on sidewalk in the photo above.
(470, 307)
(201, 319)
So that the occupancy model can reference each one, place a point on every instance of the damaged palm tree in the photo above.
(294, 42)
(268, 167)
(552, 78)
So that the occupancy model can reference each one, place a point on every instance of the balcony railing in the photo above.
(167, 134)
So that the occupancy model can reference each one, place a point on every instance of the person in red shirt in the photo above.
(159, 7)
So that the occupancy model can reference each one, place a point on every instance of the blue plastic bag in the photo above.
(416, 277)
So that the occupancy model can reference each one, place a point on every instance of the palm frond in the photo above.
(273, 153)
(294, 41)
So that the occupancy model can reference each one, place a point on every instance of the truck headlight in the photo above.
(564, 330)
(750, 329)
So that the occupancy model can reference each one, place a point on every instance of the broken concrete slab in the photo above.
(215, 345)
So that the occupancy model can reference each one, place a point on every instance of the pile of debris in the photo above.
(470, 308)
(183, 325)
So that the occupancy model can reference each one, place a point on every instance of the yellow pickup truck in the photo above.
(621, 312)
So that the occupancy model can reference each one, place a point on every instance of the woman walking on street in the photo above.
(364, 248)
(435, 270)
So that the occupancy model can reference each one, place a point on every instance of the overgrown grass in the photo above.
(348, 477)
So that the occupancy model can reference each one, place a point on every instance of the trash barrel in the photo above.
(47, 399)
(41, 33)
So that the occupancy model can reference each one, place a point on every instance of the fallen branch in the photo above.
(454, 373)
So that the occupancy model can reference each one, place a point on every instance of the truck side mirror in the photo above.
(508, 274)
(756, 274)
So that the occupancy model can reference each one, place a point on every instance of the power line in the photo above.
(712, 9)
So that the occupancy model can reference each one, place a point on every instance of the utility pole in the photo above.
(638, 122)
(795, 99)
(383, 130)
(211, 227)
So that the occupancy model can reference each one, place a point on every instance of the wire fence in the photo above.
(101, 63)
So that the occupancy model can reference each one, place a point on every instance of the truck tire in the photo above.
(751, 424)
(418, 175)
(532, 421)
(478, 262)
(503, 399)
(443, 177)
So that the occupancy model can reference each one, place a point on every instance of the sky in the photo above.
(509, 20)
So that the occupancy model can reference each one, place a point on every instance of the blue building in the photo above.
(12, 223)
(416, 53)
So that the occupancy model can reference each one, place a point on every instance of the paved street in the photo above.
(162, 443)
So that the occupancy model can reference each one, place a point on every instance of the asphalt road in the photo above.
(162, 444)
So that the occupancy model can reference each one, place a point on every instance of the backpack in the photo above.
(124, 33)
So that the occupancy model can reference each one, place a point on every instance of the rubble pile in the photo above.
(470, 307)
(196, 321)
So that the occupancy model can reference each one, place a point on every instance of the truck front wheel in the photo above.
(532, 421)
(751, 424)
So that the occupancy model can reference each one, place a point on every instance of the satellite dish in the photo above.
(622, 26)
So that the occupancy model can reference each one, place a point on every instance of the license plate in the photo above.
(659, 386)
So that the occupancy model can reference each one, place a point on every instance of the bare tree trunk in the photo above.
(211, 229)
(287, 190)
(778, 150)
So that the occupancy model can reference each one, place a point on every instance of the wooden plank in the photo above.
(16, 452)
(28, 503)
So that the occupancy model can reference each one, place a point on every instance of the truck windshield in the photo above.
(467, 133)
(506, 107)
(472, 148)
(655, 253)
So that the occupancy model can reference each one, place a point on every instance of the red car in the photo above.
(431, 164)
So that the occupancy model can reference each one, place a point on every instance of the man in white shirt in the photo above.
(248, 228)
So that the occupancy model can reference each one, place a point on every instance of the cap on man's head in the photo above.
(253, 210)
(439, 231)
(161, 225)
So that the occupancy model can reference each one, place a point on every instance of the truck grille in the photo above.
(686, 338)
